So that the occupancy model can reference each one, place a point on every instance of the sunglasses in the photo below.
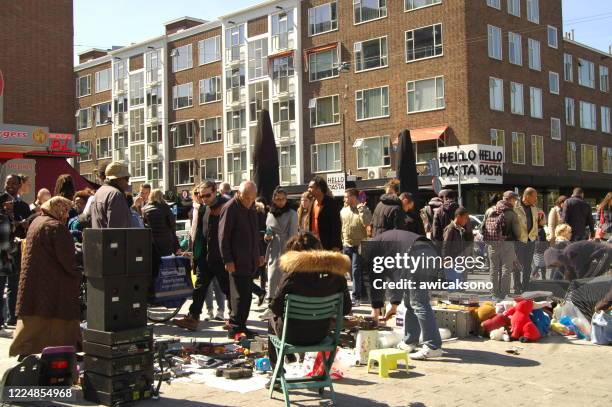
(206, 195)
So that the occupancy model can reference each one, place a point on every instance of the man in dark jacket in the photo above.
(577, 214)
(109, 208)
(444, 215)
(458, 242)
(429, 210)
(325, 220)
(410, 219)
(241, 253)
(388, 213)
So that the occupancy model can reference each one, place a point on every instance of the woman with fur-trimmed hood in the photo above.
(312, 272)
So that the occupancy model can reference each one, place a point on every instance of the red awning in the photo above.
(427, 133)
(48, 169)
(322, 48)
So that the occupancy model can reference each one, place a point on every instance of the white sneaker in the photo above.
(219, 316)
(266, 315)
(210, 316)
(408, 347)
(426, 353)
(5, 334)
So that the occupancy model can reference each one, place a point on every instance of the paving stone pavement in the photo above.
(472, 372)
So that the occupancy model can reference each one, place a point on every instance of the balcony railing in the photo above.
(236, 137)
(120, 86)
(153, 76)
(235, 96)
(120, 154)
(235, 53)
(154, 151)
(282, 41)
(284, 131)
(283, 86)
(119, 119)
(288, 175)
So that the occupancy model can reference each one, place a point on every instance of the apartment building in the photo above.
(341, 79)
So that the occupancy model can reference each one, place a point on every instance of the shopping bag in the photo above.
(173, 284)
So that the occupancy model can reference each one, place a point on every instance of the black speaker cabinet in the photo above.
(113, 252)
(117, 303)
(110, 384)
(118, 366)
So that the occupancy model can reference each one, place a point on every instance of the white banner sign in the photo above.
(475, 163)
(336, 183)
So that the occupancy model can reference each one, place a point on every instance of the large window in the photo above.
(182, 134)
(86, 155)
(535, 102)
(155, 174)
(371, 54)
(323, 64)
(287, 164)
(533, 11)
(366, 10)
(374, 152)
(537, 151)
(137, 132)
(103, 148)
(517, 101)
(322, 18)
(495, 42)
(154, 134)
(282, 70)
(103, 80)
(426, 94)
(553, 82)
(415, 4)
(182, 95)
(83, 86)
(555, 128)
(181, 58)
(183, 172)
(372, 103)
(282, 27)
(211, 168)
(498, 138)
(84, 118)
(570, 112)
(570, 155)
(154, 100)
(606, 160)
(234, 41)
(425, 151)
(604, 79)
(234, 83)
(103, 113)
(324, 111)
(137, 89)
(568, 68)
(588, 115)
(535, 62)
(588, 158)
(605, 119)
(259, 96)
(283, 113)
(586, 73)
(518, 148)
(258, 58)
(515, 49)
(496, 94)
(120, 144)
(210, 89)
(514, 7)
(424, 43)
(209, 50)
(325, 157)
(553, 38)
(494, 3)
(137, 160)
(236, 167)
(153, 65)
(211, 129)
(236, 124)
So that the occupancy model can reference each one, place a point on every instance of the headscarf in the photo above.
(58, 208)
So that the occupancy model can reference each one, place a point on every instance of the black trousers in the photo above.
(241, 290)
(525, 257)
(205, 273)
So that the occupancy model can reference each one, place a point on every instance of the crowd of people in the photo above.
(237, 237)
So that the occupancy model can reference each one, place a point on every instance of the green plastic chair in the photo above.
(302, 308)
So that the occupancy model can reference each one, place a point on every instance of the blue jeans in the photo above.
(219, 297)
(353, 253)
(420, 317)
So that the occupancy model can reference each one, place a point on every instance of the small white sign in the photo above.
(336, 183)
(475, 163)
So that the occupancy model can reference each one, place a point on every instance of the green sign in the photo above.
(82, 149)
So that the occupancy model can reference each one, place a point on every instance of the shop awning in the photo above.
(427, 133)
(48, 169)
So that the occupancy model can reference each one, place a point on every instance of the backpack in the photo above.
(494, 226)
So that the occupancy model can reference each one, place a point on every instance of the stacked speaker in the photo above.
(117, 343)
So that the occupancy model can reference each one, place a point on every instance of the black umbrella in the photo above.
(406, 165)
(265, 158)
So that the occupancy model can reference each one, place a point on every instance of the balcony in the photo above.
(282, 41)
(284, 132)
(153, 78)
(119, 120)
(153, 114)
(120, 154)
(283, 88)
(120, 87)
(154, 152)
(288, 175)
(235, 96)
(236, 138)
(235, 54)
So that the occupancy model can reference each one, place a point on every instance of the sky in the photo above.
(102, 26)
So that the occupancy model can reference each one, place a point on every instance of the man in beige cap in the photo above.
(109, 208)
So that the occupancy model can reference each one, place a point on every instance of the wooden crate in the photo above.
(461, 323)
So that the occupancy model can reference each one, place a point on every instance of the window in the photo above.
(103, 114)
(366, 10)
(496, 94)
(424, 43)
(515, 50)
(570, 112)
(606, 160)
(371, 54)
(154, 134)
(182, 95)
(259, 96)
(182, 134)
(533, 11)
(155, 171)
(236, 167)
(586, 73)
(516, 98)
(324, 111)
(137, 132)
(494, 3)
(374, 152)
(282, 69)
(282, 26)
(555, 128)
(425, 95)
(553, 82)
(181, 58)
(425, 151)
(325, 157)
(588, 119)
(211, 129)
(137, 160)
(120, 139)
(553, 40)
(154, 99)
(535, 102)
(153, 65)
(236, 123)
(570, 155)
(495, 42)
(136, 89)
(83, 86)
(415, 4)
(537, 151)
(568, 68)
(323, 64)
(84, 119)
(234, 83)
(322, 18)
(498, 138)
(86, 156)
(283, 112)
(103, 147)
(518, 148)
(535, 62)
(209, 50)
(514, 7)
(258, 58)
(234, 40)
(211, 168)
(120, 105)
(605, 119)
(210, 89)
(287, 164)
(588, 157)
(372, 103)
(103, 80)
(604, 82)
(119, 73)
(184, 172)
